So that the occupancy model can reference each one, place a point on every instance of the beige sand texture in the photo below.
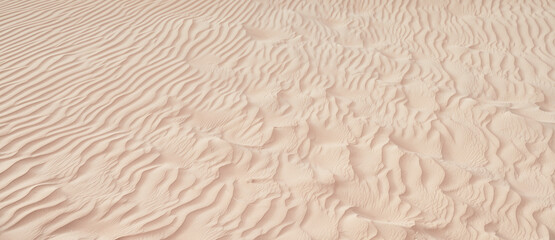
(277, 119)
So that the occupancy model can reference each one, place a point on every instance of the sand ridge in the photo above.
(277, 119)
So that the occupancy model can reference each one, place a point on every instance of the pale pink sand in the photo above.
(299, 119)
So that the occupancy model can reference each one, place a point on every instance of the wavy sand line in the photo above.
(277, 120)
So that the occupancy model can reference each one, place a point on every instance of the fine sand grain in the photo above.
(270, 119)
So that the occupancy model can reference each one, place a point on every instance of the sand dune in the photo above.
(277, 119)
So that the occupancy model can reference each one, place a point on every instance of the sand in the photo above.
(266, 119)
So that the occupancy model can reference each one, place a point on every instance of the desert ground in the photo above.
(277, 119)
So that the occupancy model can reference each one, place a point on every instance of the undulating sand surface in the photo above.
(299, 119)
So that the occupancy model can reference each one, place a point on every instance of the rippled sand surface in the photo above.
(298, 119)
